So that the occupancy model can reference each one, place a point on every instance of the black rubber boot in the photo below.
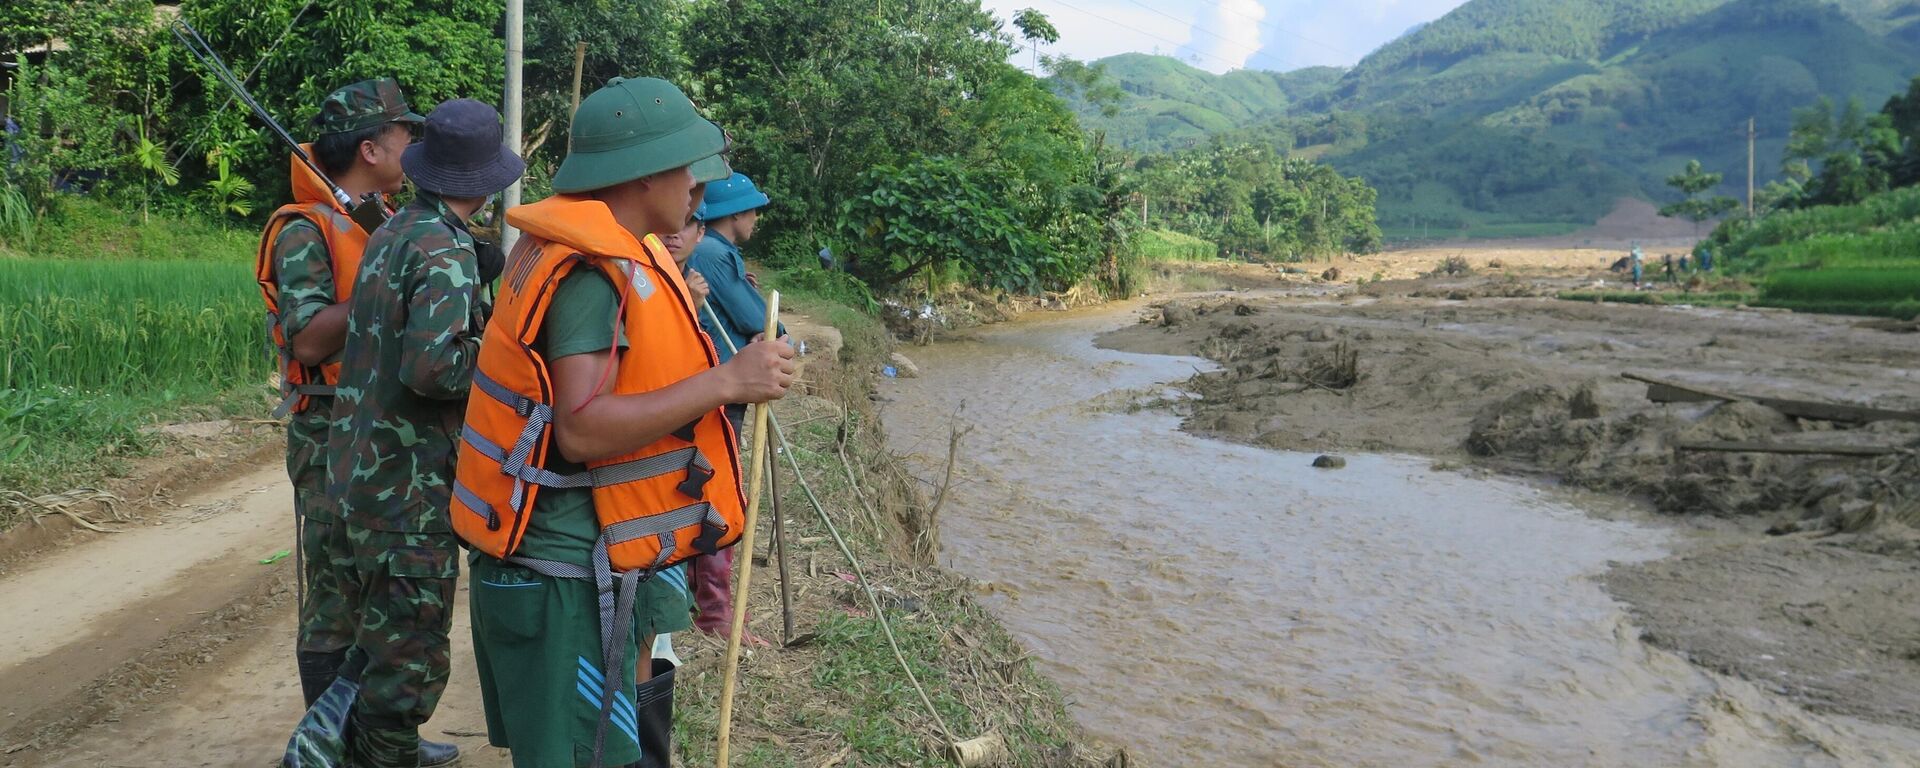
(317, 671)
(434, 754)
(653, 702)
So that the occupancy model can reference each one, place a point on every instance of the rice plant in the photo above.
(127, 326)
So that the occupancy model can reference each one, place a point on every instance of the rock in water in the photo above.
(905, 367)
(1329, 461)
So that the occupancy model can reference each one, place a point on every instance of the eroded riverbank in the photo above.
(1205, 602)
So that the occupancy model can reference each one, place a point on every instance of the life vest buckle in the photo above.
(708, 542)
(695, 485)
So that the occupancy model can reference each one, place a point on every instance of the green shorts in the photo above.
(536, 640)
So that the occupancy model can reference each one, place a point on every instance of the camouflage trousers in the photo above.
(326, 618)
(401, 587)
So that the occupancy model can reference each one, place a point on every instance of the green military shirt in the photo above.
(303, 272)
(564, 526)
(413, 333)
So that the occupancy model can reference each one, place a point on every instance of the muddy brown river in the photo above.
(1209, 603)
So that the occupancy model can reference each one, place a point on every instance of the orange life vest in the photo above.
(346, 243)
(675, 498)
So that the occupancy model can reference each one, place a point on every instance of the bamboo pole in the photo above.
(760, 414)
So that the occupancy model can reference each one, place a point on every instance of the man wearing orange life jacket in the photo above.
(306, 263)
(589, 467)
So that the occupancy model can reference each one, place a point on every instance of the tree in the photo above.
(931, 212)
(1035, 28)
(1903, 119)
(1692, 182)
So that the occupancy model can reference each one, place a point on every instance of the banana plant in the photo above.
(153, 160)
(230, 193)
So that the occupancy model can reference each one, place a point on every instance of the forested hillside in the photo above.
(1506, 115)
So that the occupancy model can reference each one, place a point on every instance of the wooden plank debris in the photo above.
(1745, 446)
(1666, 391)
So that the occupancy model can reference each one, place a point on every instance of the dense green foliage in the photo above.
(1251, 200)
(124, 80)
(1840, 234)
(1505, 115)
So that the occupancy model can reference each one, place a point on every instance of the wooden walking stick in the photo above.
(760, 414)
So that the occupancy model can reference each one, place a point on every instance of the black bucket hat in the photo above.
(460, 153)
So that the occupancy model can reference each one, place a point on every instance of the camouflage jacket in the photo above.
(413, 333)
(303, 269)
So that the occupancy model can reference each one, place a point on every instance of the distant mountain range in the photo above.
(1529, 116)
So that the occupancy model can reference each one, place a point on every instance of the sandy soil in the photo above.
(1824, 612)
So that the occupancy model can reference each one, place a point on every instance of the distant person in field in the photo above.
(596, 427)
(412, 343)
(306, 265)
(1667, 270)
(1706, 259)
(1639, 264)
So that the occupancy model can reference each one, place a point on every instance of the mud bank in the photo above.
(1823, 610)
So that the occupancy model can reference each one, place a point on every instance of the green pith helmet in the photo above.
(364, 104)
(633, 128)
(711, 169)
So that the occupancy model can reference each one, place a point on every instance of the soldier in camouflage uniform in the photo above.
(363, 129)
(413, 332)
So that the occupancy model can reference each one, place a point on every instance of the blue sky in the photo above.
(1219, 35)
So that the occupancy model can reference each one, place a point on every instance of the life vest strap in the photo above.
(689, 459)
(616, 602)
(290, 393)
(478, 505)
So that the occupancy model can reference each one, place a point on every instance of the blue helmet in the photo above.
(736, 194)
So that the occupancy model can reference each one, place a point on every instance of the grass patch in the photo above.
(56, 439)
(84, 228)
(1662, 298)
(1160, 245)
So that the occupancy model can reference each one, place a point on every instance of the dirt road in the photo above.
(123, 657)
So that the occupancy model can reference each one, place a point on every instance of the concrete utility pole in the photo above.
(1750, 136)
(516, 45)
(579, 64)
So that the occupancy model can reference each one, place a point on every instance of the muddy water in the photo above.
(1207, 603)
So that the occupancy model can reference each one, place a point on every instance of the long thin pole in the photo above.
(780, 554)
(757, 473)
(1750, 137)
(579, 64)
(516, 49)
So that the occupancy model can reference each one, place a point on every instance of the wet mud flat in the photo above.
(1800, 573)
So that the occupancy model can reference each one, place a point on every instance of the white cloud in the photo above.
(1218, 35)
(1228, 34)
